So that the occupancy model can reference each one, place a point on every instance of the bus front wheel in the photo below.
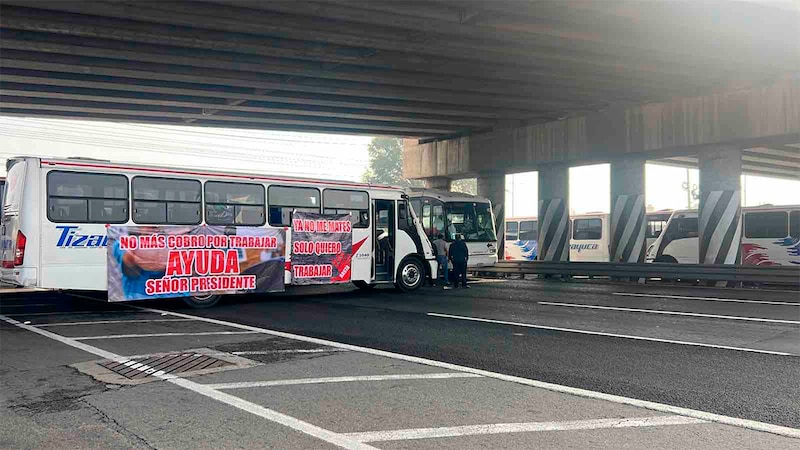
(410, 275)
(201, 301)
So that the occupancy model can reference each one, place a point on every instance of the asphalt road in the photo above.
(645, 364)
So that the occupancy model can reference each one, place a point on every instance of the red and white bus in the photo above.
(56, 212)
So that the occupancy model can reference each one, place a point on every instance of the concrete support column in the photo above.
(720, 222)
(628, 223)
(493, 187)
(442, 183)
(554, 213)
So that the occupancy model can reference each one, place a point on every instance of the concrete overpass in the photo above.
(484, 87)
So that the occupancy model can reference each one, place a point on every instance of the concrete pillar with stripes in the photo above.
(719, 217)
(553, 213)
(628, 223)
(493, 187)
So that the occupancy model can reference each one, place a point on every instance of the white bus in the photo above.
(451, 213)
(589, 236)
(56, 212)
(770, 237)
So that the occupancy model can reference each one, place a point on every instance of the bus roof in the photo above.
(446, 196)
(90, 163)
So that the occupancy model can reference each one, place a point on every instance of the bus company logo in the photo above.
(580, 247)
(70, 238)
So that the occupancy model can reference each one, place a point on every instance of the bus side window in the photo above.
(766, 225)
(87, 197)
(512, 228)
(587, 229)
(654, 228)
(438, 224)
(285, 199)
(166, 201)
(528, 231)
(426, 220)
(794, 224)
(686, 228)
(234, 203)
(355, 203)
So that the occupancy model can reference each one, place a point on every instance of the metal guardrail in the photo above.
(787, 275)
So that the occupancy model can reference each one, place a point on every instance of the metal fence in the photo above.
(784, 275)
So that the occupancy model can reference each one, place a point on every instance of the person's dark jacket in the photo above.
(459, 252)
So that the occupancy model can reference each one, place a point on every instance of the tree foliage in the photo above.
(465, 186)
(386, 163)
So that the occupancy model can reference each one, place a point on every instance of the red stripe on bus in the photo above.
(216, 174)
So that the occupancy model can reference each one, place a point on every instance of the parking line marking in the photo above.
(95, 322)
(524, 427)
(410, 376)
(126, 336)
(671, 313)
(615, 335)
(61, 313)
(25, 305)
(655, 406)
(299, 350)
(709, 299)
(331, 437)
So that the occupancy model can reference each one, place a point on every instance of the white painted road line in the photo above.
(600, 333)
(671, 313)
(66, 313)
(411, 376)
(525, 427)
(331, 437)
(100, 322)
(655, 406)
(26, 305)
(127, 336)
(298, 350)
(709, 299)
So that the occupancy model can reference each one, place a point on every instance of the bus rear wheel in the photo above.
(201, 301)
(410, 275)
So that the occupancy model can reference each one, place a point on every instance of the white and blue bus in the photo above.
(589, 236)
(56, 211)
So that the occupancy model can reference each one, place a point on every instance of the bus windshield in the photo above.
(472, 220)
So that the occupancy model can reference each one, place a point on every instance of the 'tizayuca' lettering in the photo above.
(71, 238)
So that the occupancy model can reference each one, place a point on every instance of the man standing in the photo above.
(441, 258)
(459, 255)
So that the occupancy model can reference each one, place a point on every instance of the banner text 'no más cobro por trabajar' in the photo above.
(146, 262)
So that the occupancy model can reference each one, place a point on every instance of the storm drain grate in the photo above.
(164, 364)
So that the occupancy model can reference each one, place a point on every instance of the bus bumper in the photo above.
(19, 276)
(476, 261)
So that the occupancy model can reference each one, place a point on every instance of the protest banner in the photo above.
(147, 262)
(321, 248)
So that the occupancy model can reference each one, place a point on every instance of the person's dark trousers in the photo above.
(460, 272)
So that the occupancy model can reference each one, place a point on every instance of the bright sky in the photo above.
(589, 189)
(323, 156)
(274, 152)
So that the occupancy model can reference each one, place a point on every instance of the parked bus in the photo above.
(770, 237)
(451, 213)
(589, 236)
(56, 213)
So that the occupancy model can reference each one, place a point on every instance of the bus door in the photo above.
(384, 229)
